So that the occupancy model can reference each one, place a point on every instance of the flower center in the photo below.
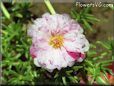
(56, 41)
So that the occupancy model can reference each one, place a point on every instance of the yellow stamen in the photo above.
(56, 41)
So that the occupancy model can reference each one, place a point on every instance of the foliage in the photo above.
(84, 17)
(17, 64)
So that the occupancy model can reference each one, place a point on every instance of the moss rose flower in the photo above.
(57, 41)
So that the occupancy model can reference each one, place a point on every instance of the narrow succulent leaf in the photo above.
(64, 80)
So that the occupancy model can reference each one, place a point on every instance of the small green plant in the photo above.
(84, 17)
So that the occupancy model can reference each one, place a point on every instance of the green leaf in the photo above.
(73, 79)
(56, 75)
(100, 57)
(89, 63)
(105, 75)
(92, 18)
(87, 25)
(91, 53)
(18, 55)
(105, 44)
(90, 70)
(19, 15)
(105, 62)
(92, 46)
(77, 67)
(86, 10)
(4, 10)
(68, 72)
(100, 81)
(64, 80)
(105, 65)
(108, 70)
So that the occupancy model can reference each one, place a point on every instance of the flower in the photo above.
(57, 42)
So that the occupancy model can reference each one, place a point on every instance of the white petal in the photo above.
(83, 42)
(75, 26)
(36, 62)
(51, 21)
(71, 36)
(70, 46)
(40, 22)
(79, 60)
(66, 55)
(32, 31)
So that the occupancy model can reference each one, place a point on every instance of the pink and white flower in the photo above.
(57, 42)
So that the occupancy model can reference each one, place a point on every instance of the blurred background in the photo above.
(17, 64)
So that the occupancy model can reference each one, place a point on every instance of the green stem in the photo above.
(5, 12)
(50, 7)
(99, 80)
